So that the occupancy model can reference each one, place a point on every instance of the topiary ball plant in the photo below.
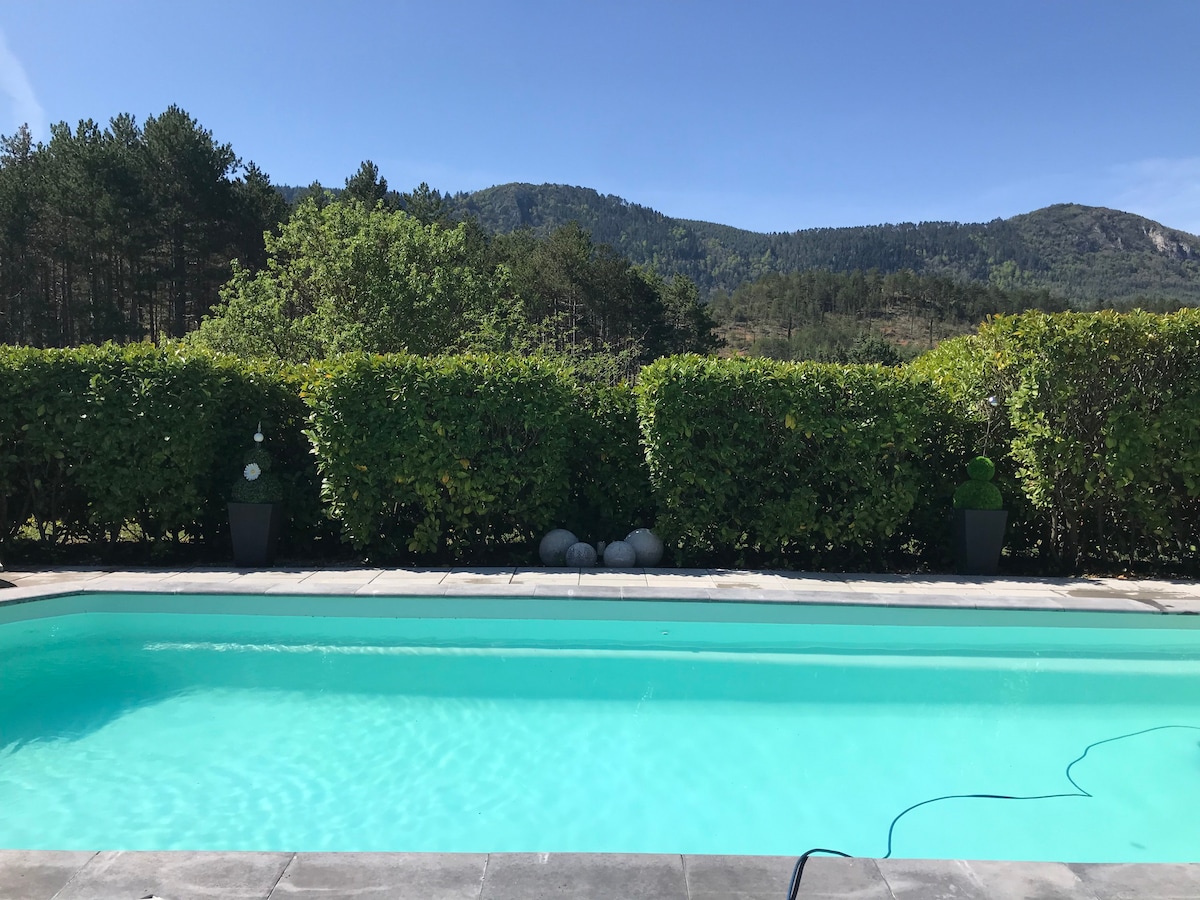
(257, 484)
(979, 492)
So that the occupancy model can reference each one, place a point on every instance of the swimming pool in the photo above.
(130, 721)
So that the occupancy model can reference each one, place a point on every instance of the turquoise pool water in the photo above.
(478, 732)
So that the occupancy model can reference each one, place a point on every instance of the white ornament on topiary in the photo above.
(553, 548)
(646, 546)
(581, 555)
(619, 555)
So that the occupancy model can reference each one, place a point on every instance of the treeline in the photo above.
(124, 232)
(860, 316)
(373, 270)
(156, 230)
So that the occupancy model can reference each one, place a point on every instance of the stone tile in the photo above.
(470, 572)
(768, 878)
(342, 576)
(38, 874)
(1140, 881)
(1012, 584)
(931, 879)
(203, 575)
(401, 589)
(831, 577)
(657, 592)
(1029, 881)
(123, 875)
(1017, 601)
(1098, 601)
(434, 576)
(272, 576)
(486, 589)
(611, 577)
(746, 594)
(308, 588)
(1189, 605)
(383, 876)
(34, 592)
(566, 591)
(584, 876)
(546, 576)
(33, 579)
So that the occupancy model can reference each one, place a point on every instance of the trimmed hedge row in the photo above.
(1097, 425)
(1094, 428)
(403, 457)
(421, 453)
(805, 464)
(107, 444)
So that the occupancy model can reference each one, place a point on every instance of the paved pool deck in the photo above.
(103, 873)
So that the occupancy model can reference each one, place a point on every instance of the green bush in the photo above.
(43, 434)
(1099, 418)
(759, 461)
(107, 444)
(443, 456)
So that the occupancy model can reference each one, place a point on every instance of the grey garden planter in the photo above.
(978, 540)
(254, 529)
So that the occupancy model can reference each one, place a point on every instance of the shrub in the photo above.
(979, 492)
(756, 460)
(442, 455)
(110, 443)
(1099, 416)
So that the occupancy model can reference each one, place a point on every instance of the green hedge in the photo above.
(139, 444)
(804, 464)
(431, 455)
(1099, 425)
(1095, 434)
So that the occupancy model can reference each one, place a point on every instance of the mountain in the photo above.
(1090, 256)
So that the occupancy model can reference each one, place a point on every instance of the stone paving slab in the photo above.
(180, 875)
(382, 876)
(1029, 881)
(584, 876)
(38, 874)
(768, 878)
(1137, 881)
(931, 879)
(124, 875)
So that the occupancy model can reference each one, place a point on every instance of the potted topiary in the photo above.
(979, 520)
(255, 508)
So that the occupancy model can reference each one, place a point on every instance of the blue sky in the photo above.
(769, 116)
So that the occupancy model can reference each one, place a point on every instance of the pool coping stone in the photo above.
(242, 875)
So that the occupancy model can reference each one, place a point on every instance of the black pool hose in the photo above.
(798, 870)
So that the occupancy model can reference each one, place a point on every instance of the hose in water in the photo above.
(798, 870)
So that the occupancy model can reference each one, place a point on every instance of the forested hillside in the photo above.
(1088, 255)
(145, 231)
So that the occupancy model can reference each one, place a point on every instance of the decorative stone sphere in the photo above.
(553, 548)
(581, 555)
(619, 555)
(646, 546)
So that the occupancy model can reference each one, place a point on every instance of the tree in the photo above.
(192, 190)
(343, 277)
(366, 186)
(426, 205)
